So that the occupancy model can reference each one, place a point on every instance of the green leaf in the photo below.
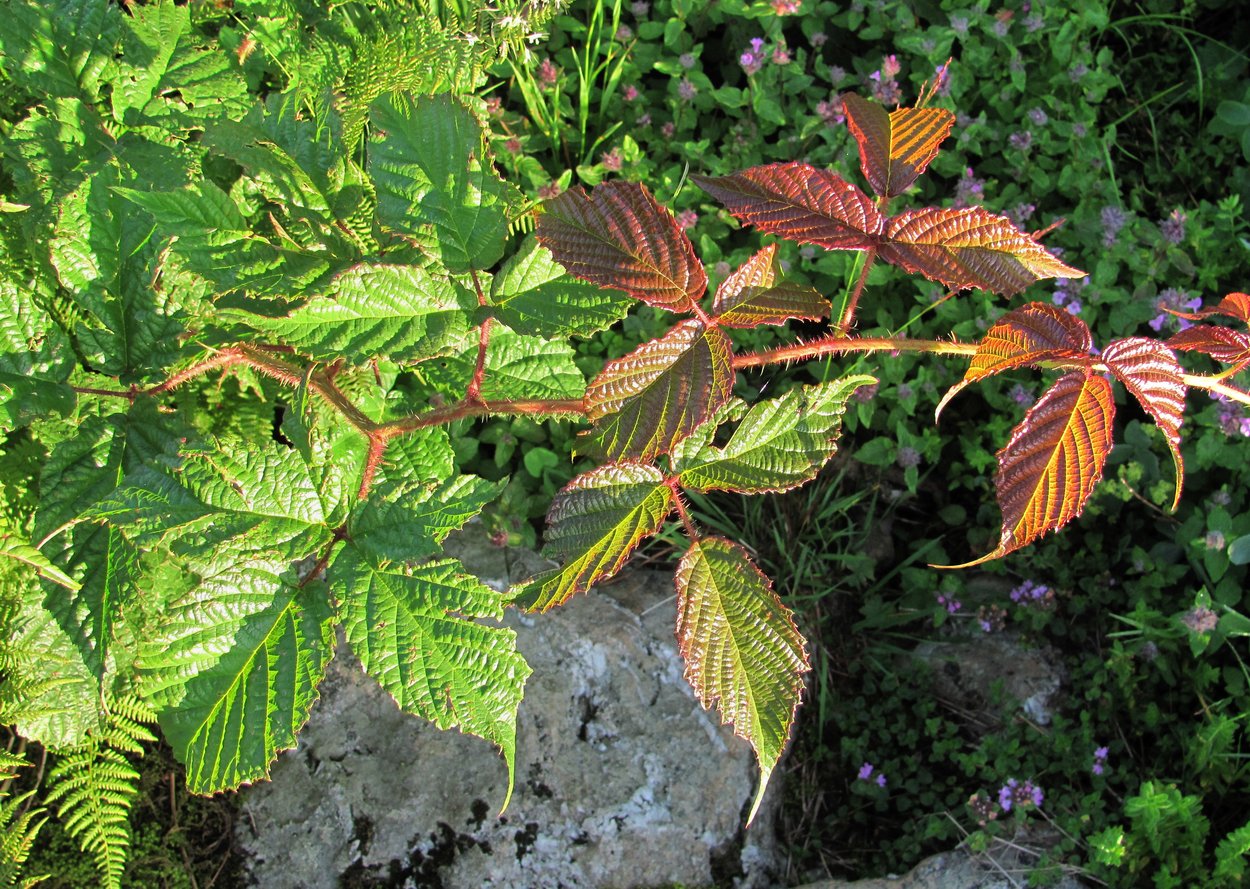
(535, 296)
(1239, 550)
(646, 402)
(399, 312)
(403, 522)
(35, 360)
(780, 444)
(414, 632)
(167, 77)
(757, 294)
(431, 166)
(517, 368)
(60, 48)
(21, 551)
(233, 669)
(594, 524)
(742, 649)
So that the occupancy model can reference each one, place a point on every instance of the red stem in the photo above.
(837, 344)
(848, 314)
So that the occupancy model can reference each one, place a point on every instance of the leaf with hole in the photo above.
(969, 247)
(801, 203)
(1149, 370)
(742, 650)
(1026, 337)
(618, 236)
(895, 146)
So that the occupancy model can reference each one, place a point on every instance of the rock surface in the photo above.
(623, 780)
(952, 870)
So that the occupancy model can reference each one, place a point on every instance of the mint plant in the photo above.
(344, 258)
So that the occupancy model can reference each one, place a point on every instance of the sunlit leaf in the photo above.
(1235, 305)
(801, 203)
(969, 247)
(517, 367)
(742, 649)
(649, 400)
(1221, 343)
(620, 237)
(1053, 460)
(594, 524)
(779, 444)
(758, 294)
(1025, 337)
(403, 521)
(1149, 370)
(896, 146)
(414, 631)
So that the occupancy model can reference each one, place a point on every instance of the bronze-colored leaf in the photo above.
(1149, 370)
(619, 237)
(1052, 462)
(1235, 305)
(895, 147)
(757, 294)
(652, 398)
(1025, 337)
(969, 247)
(800, 203)
(1221, 343)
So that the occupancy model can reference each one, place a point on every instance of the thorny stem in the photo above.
(837, 344)
(691, 531)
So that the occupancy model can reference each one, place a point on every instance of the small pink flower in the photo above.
(513, 145)
(548, 73)
(550, 190)
(667, 129)
(612, 160)
(890, 67)
(686, 90)
(686, 219)
(631, 92)
(786, 7)
(781, 56)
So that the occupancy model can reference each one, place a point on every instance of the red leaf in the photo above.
(1025, 337)
(646, 402)
(1149, 370)
(755, 294)
(1052, 462)
(895, 147)
(1235, 305)
(801, 203)
(619, 237)
(969, 247)
(1221, 343)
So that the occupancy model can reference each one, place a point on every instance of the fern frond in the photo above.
(94, 784)
(18, 828)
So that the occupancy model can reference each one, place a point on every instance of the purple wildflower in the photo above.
(548, 73)
(1232, 419)
(781, 55)
(1177, 301)
(819, 39)
(686, 60)
(991, 618)
(1214, 540)
(644, 120)
(721, 269)
(640, 8)
(969, 190)
(950, 603)
(959, 24)
(1001, 27)
(865, 771)
(1030, 593)
(831, 111)
(1200, 619)
(686, 90)
(1077, 72)
(880, 780)
(686, 219)
(1033, 22)
(907, 457)
(890, 67)
(612, 160)
(667, 129)
(1100, 761)
(1039, 117)
(1021, 395)
(837, 74)
(1015, 794)
(1020, 213)
(1173, 228)
(885, 89)
(624, 33)
(1020, 141)
(1113, 219)
(630, 92)
(750, 62)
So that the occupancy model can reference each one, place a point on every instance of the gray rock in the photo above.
(622, 778)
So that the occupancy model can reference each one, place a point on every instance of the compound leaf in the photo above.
(1149, 370)
(414, 632)
(758, 294)
(780, 444)
(742, 649)
(434, 179)
(1053, 460)
(896, 146)
(399, 312)
(594, 524)
(535, 296)
(620, 237)
(233, 668)
(649, 400)
(800, 203)
(969, 247)
(1025, 337)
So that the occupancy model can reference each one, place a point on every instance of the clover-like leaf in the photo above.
(969, 247)
(618, 236)
(414, 631)
(801, 203)
(1235, 305)
(1025, 337)
(594, 524)
(780, 444)
(652, 398)
(895, 146)
(1149, 370)
(1222, 343)
(742, 649)
(758, 294)
(1054, 458)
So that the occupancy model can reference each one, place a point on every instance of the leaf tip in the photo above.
(765, 774)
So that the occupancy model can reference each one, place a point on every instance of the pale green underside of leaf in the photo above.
(403, 522)
(594, 524)
(398, 312)
(780, 444)
(233, 670)
(517, 368)
(741, 647)
(429, 162)
(535, 296)
(414, 632)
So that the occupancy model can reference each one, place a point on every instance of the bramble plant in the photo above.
(350, 240)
